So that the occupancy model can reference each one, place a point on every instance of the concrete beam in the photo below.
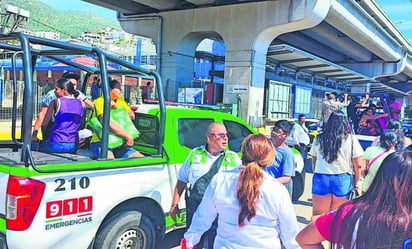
(326, 34)
(405, 87)
(375, 69)
(296, 39)
(352, 20)
(201, 2)
(161, 4)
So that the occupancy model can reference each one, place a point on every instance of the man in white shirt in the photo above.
(199, 162)
(300, 136)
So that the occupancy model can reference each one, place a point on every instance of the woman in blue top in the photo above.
(67, 112)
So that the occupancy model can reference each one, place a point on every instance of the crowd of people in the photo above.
(60, 131)
(362, 111)
(245, 202)
(249, 206)
(62, 117)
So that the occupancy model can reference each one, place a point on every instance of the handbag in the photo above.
(353, 194)
(114, 140)
(120, 117)
(193, 201)
(194, 195)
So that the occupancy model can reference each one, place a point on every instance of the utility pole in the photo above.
(12, 17)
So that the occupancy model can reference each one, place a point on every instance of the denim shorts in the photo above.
(339, 185)
(54, 147)
(122, 152)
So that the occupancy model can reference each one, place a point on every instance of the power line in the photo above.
(70, 35)
(53, 28)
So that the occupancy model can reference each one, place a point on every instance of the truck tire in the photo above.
(124, 231)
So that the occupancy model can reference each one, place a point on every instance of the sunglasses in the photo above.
(220, 135)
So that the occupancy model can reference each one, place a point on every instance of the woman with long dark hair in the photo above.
(338, 164)
(61, 135)
(253, 209)
(381, 218)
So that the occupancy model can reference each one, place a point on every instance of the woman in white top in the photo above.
(253, 209)
(390, 140)
(334, 152)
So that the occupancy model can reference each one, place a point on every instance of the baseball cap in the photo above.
(71, 75)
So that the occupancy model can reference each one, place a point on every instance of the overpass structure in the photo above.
(319, 45)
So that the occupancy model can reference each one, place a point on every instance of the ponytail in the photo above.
(250, 180)
(76, 93)
(257, 153)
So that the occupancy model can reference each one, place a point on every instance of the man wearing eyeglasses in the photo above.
(283, 168)
(200, 161)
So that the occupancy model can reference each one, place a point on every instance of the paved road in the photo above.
(303, 209)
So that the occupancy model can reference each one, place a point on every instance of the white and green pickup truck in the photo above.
(72, 201)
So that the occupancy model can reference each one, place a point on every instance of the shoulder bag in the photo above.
(194, 195)
(371, 162)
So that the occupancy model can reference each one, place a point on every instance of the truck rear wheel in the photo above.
(124, 231)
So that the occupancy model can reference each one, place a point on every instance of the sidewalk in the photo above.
(303, 207)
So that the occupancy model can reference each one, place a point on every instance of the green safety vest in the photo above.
(194, 196)
(229, 159)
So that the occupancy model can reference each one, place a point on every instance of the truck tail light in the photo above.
(23, 199)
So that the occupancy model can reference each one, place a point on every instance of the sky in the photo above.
(81, 6)
(399, 11)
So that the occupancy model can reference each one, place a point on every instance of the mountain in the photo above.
(68, 23)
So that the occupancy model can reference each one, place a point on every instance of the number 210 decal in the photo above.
(71, 184)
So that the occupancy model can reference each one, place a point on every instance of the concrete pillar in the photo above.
(246, 68)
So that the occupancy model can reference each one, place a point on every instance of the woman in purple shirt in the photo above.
(61, 135)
